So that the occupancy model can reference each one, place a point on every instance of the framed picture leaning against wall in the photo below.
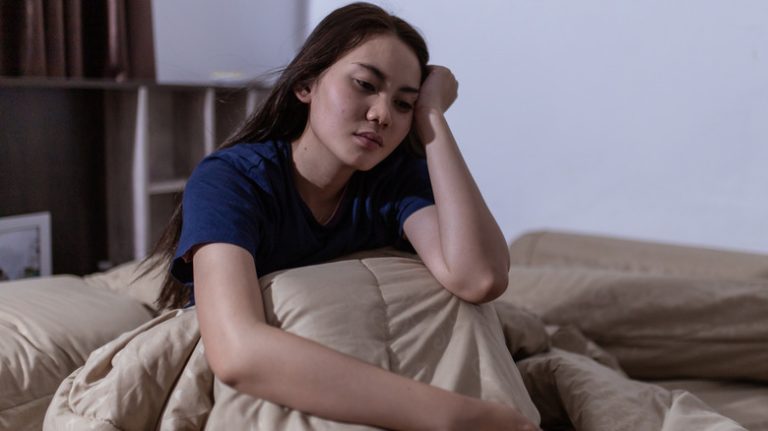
(25, 246)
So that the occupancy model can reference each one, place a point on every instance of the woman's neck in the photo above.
(318, 175)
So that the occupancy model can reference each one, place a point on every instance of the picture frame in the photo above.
(25, 246)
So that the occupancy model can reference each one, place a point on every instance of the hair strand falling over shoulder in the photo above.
(282, 116)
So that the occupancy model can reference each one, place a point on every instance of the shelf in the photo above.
(165, 187)
(175, 128)
(161, 209)
(110, 84)
(151, 137)
(176, 132)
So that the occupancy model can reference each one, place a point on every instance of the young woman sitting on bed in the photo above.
(327, 167)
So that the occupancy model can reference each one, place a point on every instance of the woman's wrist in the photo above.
(476, 414)
(428, 120)
(426, 112)
(463, 412)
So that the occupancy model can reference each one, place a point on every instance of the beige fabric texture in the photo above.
(386, 311)
(542, 248)
(745, 402)
(574, 390)
(48, 327)
(129, 279)
(657, 326)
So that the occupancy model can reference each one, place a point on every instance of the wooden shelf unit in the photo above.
(174, 128)
(153, 137)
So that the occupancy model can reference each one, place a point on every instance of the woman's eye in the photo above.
(404, 106)
(365, 85)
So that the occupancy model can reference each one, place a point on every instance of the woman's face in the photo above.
(361, 107)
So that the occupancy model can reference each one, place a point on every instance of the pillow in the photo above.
(127, 279)
(657, 326)
(570, 249)
(391, 312)
(48, 327)
(388, 311)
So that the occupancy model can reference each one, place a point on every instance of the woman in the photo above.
(326, 168)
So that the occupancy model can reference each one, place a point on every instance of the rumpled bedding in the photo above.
(48, 327)
(682, 317)
(657, 326)
(388, 311)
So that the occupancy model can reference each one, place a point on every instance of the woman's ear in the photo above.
(303, 92)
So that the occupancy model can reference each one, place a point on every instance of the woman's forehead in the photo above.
(388, 55)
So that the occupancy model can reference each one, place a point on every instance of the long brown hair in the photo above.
(283, 117)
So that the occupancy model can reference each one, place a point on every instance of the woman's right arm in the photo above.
(266, 362)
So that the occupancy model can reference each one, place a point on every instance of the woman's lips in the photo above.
(370, 139)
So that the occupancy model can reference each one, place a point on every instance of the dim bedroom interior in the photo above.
(593, 333)
(630, 184)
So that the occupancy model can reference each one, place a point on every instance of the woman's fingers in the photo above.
(439, 90)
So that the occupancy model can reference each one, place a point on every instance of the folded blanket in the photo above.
(48, 326)
(388, 311)
(574, 392)
(657, 326)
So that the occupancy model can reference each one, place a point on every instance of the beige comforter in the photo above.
(388, 311)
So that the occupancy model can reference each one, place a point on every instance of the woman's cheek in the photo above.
(342, 99)
(407, 123)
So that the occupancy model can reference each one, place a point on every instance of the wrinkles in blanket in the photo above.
(386, 311)
(577, 385)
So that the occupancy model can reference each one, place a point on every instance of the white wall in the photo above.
(225, 40)
(641, 119)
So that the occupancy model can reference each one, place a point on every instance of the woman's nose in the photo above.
(379, 112)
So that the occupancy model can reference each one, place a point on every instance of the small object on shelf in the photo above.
(169, 186)
(151, 135)
(25, 246)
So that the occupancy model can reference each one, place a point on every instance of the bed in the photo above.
(593, 333)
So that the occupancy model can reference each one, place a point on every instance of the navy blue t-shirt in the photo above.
(245, 195)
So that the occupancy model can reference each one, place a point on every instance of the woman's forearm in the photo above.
(301, 374)
(269, 363)
(471, 241)
(266, 362)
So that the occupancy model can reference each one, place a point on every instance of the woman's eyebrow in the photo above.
(379, 74)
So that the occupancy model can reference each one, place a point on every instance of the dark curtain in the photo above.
(109, 39)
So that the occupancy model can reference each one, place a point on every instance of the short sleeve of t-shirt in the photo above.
(244, 195)
(220, 204)
(415, 190)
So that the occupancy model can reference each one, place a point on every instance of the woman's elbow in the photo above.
(225, 365)
(483, 288)
(232, 364)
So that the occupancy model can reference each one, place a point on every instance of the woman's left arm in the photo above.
(458, 239)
